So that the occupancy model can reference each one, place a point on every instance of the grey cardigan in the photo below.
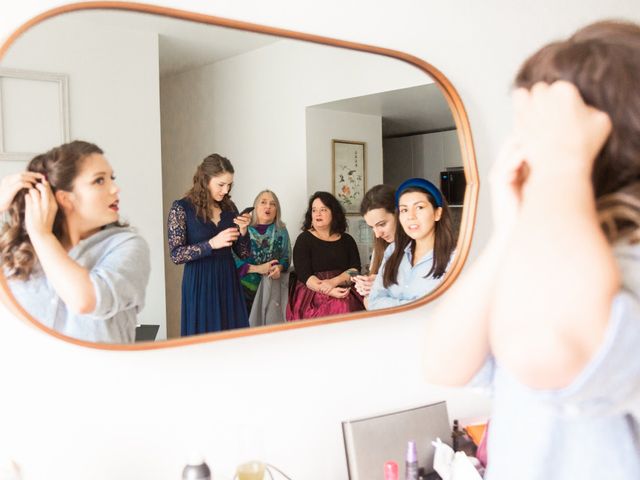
(118, 262)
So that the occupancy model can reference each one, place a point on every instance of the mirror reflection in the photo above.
(200, 123)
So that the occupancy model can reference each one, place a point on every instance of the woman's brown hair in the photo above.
(60, 166)
(443, 245)
(380, 196)
(603, 61)
(199, 194)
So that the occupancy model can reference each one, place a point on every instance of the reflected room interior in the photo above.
(159, 94)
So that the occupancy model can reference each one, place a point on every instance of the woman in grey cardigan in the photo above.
(68, 261)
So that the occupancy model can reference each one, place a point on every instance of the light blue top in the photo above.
(587, 430)
(118, 262)
(411, 285)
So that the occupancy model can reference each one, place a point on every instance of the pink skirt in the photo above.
(305, 303)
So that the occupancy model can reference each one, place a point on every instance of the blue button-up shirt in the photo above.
(411, 285)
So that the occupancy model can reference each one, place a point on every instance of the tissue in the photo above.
(452, 465)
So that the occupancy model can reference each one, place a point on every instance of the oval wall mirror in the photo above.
(159, 90)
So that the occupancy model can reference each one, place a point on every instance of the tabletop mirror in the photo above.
(158, 90)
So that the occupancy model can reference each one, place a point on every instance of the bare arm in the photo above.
(317, 285)
(554, 292)
(341, 279)
(457, 337)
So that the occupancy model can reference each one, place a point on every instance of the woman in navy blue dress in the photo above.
(203, 228)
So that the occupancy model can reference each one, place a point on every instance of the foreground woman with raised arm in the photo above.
(549, 315)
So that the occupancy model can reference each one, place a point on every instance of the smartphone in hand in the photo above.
(246, 210)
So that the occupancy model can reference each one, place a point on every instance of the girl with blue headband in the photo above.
(416, 262)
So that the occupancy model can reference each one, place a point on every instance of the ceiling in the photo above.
(185, 45)
(405, 111)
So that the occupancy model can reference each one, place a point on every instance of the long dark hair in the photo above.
(380, 196)
(199, 194)
(442, 248)
(60, 166)
(603, 61)
(338, 217)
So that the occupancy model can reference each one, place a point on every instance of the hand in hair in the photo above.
(225, 238)
(12, 184)
(559, 132)
(39, 210)
(557, 230)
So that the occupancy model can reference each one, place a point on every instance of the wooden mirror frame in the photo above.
(464, 138)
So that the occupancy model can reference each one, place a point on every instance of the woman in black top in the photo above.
(325, 258)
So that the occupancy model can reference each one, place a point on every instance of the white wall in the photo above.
(186, 140)
(70, 412)
(325, 125)
(322, 127)
(424, 155)
(131, 142)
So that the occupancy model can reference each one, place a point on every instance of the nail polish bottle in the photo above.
(411, 464)
(390, 470)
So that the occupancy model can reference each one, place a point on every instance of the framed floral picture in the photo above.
(349, 180)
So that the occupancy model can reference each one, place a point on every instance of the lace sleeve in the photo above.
(242, 246)
(177, 233)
